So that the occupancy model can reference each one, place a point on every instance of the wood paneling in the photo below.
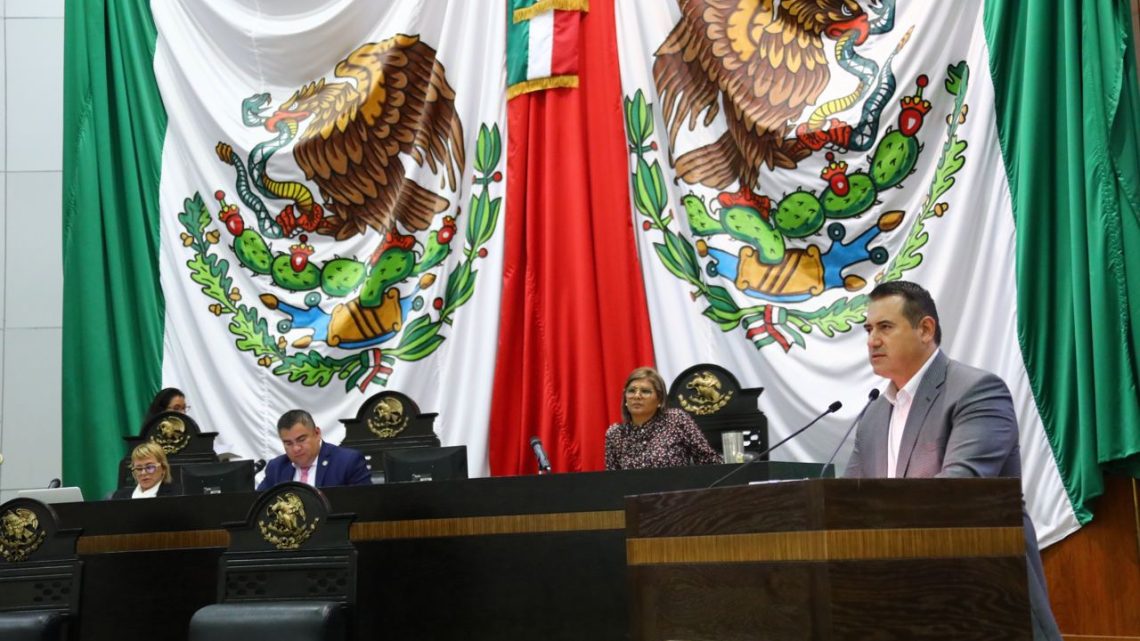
(488, 525)
(1086, 638)
(837, 505)
(108, 543)
(1094, 575)
(830, 545)
(1082, 637)
(830, 560)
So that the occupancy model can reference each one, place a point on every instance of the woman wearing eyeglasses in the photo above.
(652, 435)
(151, 472)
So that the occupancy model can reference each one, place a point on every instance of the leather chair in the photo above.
(288, 621)
(33, 626)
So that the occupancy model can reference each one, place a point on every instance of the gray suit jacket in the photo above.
(961, 424)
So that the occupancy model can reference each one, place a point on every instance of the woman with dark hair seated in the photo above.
(152, 473)
(170, 399)
(652, 435)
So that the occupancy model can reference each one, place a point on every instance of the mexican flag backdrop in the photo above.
(306, 204)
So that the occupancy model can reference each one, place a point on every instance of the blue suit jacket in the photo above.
(335, 466)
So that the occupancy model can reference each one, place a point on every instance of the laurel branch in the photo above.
(950, 162)
(767, 323)
(420, 336)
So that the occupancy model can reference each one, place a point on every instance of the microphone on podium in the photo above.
(870, 399)
(831, 409)
(540, 454)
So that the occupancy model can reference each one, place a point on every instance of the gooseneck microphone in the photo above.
(870, 399)
(540, 454)
(259, 465)
(831, 409)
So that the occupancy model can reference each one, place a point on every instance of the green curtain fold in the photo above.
(1066, 93)
(114, 124)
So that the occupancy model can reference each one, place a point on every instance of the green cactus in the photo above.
(252, 252)
(395, 265)
(341, 276)
(286, 278)
(894, 159)
(746, 224)
(700, 221)
(860, 196)
(799, 215)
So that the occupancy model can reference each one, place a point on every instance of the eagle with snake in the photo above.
(395, 101)
(764, 61)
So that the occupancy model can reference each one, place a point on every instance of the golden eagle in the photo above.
(397, 101)
(765, 61)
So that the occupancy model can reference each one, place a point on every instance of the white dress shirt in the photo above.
(901, 401)
(312, 480)
(140, 493)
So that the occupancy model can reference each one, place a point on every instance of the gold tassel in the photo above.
(542, 6)
(539, 84)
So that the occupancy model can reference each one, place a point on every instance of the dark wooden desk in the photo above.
(514, 558)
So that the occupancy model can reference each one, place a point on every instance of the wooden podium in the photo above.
(830, 559)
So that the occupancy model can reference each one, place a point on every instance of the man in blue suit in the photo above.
(310, 460)
(938, 417)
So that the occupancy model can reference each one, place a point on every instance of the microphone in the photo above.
(870, 399)
(831, 409)
(259, 465)
(540, 454)
(54, 483)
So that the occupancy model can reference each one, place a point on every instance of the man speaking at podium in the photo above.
(938, 417)
(310, 460)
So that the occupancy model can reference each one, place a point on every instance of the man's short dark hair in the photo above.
(292, 417)
(917, 303)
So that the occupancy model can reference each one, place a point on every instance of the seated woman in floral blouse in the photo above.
(652, 435)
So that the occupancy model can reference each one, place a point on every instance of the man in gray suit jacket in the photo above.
(938, 417)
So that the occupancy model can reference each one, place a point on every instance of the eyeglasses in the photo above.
(640, 391)
(179, 408)
(149, 468)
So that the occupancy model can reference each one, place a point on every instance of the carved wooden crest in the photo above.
(289, 517)
(388, 420)
(704, 394)
(289, 547)
(172, 431)
(29, 532)
(20, 533)
(388, 417)
(717, 402)
(171, 434)
(284, 522)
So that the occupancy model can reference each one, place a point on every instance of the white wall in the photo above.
(31, 264)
